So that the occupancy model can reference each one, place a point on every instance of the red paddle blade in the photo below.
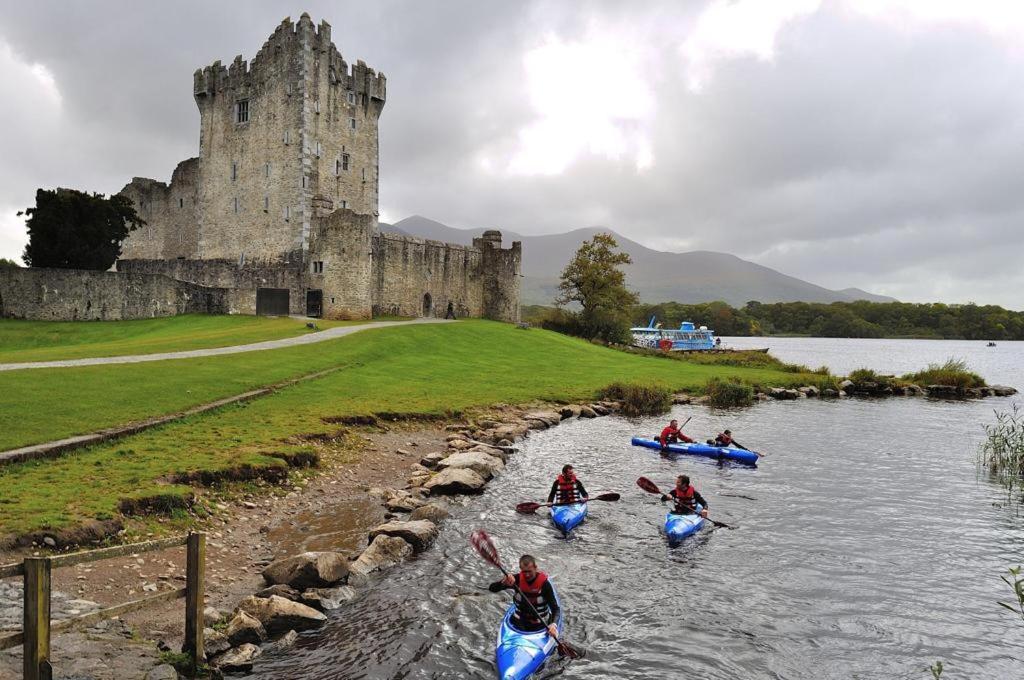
(606, 497)
(647, 485)
(568, 651)
(527, 508)
(482, 543)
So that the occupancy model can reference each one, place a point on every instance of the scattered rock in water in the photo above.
(431, 511)
(587, 412)
(237, 660)
(244, 628)
(455, 481)
(682, 399)
(783, 393)
(809, 391)
(569, 411)
(419, 533)
(279, 615)
(215, 642)
(308, 570)
(600, 409)
(328, 599)
(1002, 390)
(943, 391)
(482, 463)
(281, 590)
(287, 640)
(829, 393)
(384, 552)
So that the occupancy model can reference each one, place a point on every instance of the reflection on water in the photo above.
(866, 547)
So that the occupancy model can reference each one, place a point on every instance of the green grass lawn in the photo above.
(422, 368)
(53, 340)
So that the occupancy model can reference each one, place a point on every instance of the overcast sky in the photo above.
(869, 143)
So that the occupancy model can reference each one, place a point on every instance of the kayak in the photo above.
(568, 517)
(521, 654)
(678, 527)
(716, 452)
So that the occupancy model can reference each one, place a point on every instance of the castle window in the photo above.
(364, 174)
(337, 167)
(287, 213)
(266, 169)
(344, 204)
(351, 97)
(288, 89)
(266, 204)
(234, 171)
(236, 205)
(319, 149)
(181, 202)
(287, 137)
(304, 182)
(242, 111)
(344, 162)
(318, 267)
(352, 123)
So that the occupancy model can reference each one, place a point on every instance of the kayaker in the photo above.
(672, 434)
(686, 498)
(724, 438)
(534, 585)
(567, 487)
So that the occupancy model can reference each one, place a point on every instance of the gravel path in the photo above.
(320, 336)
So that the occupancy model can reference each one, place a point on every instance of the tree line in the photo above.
(594, 281)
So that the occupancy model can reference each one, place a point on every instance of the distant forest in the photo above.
(833, 320)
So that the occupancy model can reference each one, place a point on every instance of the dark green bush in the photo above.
(639, 400)
(953, 373)
(728, 393)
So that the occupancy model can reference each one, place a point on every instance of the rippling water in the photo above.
(866, 547)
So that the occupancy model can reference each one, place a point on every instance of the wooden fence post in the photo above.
(195, 568)
(36, 622)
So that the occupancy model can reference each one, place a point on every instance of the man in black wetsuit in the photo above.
(567, 488)
(686, 498)
(534, 586)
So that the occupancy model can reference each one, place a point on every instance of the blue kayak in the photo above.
(678, 527)
(568, 517)
(520, 654)
(716, 452)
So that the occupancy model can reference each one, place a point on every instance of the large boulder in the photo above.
(308, 570)
(431, 511)
(328, 599)
(215, 642)
(280, 589)
(459, 445)
(783, 393)
(164, 671)
(279, 615)
(479, 462)
(1003, 390)
(419, 534)
(403, 501)
(809, 390)
(383, 553)
(432, 459)
(943, 391)
(569, 411)
(587, 412)
(237, 660)
(496, 451)
(455, 481)
(244, 628)
(510, 431)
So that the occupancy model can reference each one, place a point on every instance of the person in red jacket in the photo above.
(723, 438)
(672, 434)
(686, 498)
(532, 586)
(567, 488)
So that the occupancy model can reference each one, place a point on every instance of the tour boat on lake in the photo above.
(686, 338)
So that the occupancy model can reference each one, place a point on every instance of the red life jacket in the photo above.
(532, 590)
(684, 499)
(724, 439)
(566, 489)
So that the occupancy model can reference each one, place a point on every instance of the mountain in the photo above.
(697, 276)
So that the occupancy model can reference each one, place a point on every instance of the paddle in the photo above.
(530, 508)
(658, 438)
(484, 547)
(650, 487)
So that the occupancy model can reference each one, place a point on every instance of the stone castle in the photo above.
(279, 212)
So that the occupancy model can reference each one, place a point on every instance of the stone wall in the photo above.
(501, 277)
(170, 212)
(407, 270)
(80, 295)
(340, 264)
(239, 279)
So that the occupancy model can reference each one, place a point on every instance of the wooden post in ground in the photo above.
(36, 622)
(195, 568)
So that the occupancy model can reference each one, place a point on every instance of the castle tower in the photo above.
(501, 273)
(295, 126)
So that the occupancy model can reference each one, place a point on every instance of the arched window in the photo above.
(427, 304)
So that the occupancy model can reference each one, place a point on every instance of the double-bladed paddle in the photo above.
(484, 547)
(530, 507)
(650, 487)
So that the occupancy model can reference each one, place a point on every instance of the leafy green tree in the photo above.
(5, 263)
(70, 229)
(593, 279)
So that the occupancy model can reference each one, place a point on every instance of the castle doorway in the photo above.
(427, 304)
(272, 301)
(314, 303)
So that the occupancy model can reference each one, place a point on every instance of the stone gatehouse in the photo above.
(280, 208)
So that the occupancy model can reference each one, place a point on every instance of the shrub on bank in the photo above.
(1003, 449)
(639, 400)
(728, 393)
(864, 378)
(953, 373)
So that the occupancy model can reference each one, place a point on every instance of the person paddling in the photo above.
(535, 587)
(686, 498)
(567, 487)
(672, 434)
(723, 438)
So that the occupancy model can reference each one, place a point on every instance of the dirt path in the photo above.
(320, 336)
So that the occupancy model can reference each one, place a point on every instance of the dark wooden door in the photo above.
(272, 301)
(314, 303)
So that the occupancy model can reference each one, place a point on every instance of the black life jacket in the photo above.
(566, 489)
(685, 500)
(532, 590)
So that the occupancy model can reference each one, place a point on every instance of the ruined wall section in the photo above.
(252, 198)
(82, 295)
(406, 270)
(341, 263)
(240, 280)
(501, 277)
(170, 212)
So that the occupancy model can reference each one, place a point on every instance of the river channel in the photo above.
(867, 545)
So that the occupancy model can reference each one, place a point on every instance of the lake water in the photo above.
(867, 546)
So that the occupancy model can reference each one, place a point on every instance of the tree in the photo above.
(594, 280)
(6, 264)
(71, 229)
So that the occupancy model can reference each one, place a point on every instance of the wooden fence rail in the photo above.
(37, 629)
